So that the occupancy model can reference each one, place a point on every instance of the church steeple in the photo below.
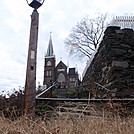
(49, 67)
(50, 51)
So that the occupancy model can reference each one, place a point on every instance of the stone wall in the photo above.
(113, 64)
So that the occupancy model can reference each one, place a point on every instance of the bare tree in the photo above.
(86, 36)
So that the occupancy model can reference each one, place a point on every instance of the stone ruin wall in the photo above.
(113, 64)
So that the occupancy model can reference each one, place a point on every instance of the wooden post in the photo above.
(30, 85)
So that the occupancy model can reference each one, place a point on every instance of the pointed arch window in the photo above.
(61, 77)
(49, 63)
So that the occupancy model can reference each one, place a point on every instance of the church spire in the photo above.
(50, 51)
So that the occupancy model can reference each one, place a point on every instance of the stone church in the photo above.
(66, 77)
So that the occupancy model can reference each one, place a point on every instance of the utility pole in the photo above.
(30, 85)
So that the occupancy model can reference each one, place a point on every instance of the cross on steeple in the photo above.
(50, 35)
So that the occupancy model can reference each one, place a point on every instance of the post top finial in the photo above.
(35, 3)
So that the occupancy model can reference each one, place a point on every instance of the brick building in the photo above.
(66, 77)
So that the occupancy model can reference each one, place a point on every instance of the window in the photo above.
(49, 73)
(49, 63)
(70, 79)
(61, 77)
(73, 79)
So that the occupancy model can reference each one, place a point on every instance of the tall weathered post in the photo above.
(30, 85)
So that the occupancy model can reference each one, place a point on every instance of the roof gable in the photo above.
(61, 65)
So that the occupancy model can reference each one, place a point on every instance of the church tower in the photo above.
(49, 66)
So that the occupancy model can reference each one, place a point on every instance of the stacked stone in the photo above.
(113, 64)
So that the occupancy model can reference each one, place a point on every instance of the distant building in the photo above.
(66, 77)
(123, 21)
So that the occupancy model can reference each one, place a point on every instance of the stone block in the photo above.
(123, 64)
(132, 47)
(132, 66)
(111, 29)
(131, 52)
(118, 51)
(126, 45)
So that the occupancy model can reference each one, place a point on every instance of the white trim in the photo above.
(50, 56)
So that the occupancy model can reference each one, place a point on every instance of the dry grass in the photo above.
(67, 118)
(69, 124)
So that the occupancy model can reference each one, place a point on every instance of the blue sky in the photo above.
(56, 16)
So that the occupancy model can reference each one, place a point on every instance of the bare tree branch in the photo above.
(86, 35)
